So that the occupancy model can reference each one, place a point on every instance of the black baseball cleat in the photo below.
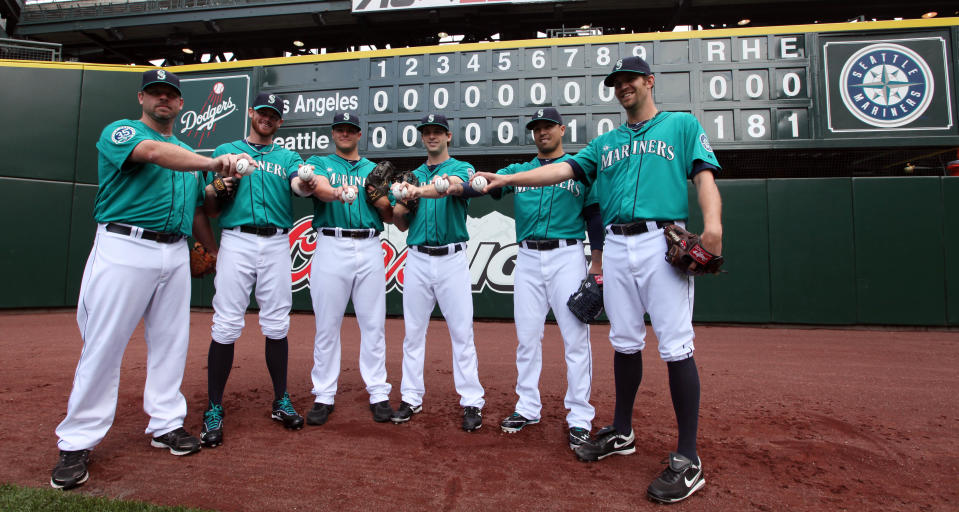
(284, 412)
(178, 441)
(577, 437)
(71, 469)
(678, 481)
(319, 413)
(211, 434)
(405, 412)
(472, 419)
(607, 442)
(382, 412)
(515, 422)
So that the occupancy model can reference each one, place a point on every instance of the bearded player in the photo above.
(640, 171)
(150, 187)
(255, 252)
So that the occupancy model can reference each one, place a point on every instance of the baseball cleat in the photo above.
(319, 413)
(405, 412)
(71, 469)
(515, 422)
(678, 481)
(607, 442)
(178, 441)
(382, 412)
(284, 412)
(472, 419)
(577, 437)
(211, 434)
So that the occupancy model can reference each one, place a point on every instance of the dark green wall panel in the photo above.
(742, 294)
(106, 97)
(812, 275)
(45, 103)
(32, 266)
(899, 251)
(950, 196)
(83, 230)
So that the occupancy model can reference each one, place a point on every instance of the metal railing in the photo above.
(19, 49)
(96, 8)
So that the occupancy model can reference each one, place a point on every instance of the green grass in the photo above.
(25, 499)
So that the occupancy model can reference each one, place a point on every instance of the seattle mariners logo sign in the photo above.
(886, 85)
(890, 85)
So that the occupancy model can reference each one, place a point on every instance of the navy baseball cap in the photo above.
(435, 120)
(628, 65)
(269, 100)
(346, 118)
(545, 114)
(160, 76)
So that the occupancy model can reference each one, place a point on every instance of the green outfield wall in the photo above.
(838, 251)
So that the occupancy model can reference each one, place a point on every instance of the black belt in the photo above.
(548, 245)
(351, 233)
(146, 234)
(636, 228)
(264, 231)
(438, 251)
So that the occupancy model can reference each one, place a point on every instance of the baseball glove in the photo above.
(202, 262)
(587, 302)
(683, 249)
(379, 180)
(409, 177)
(225, 188)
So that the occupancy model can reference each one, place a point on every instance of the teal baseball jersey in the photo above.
(552, 212)
(341, 172)
(643, 174)
(143, 194)
(440, 221)
(263, 198)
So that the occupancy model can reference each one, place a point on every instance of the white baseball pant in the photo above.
(126, 279)
(544, 280)
(637, 280)
(344, 267)
(429, 280)
(246, 259)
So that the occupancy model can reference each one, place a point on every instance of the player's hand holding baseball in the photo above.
(345, 194)
(492, 180)
(307, 178)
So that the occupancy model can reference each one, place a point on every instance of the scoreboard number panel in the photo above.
(748, 90)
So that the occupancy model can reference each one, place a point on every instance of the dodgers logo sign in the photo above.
(214, 111)
(886, 85)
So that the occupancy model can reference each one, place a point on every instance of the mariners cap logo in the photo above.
(619, 64)
(539, 113)
(886, 85)
(272, 98)
(429, 119)
(161, 74)
(122, 134)
(346, 116)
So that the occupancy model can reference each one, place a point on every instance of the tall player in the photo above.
(348, 263)
(437, 272)
(150, 187)
(641, 171)
(255, 251)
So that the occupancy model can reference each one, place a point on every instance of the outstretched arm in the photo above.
(711, 204)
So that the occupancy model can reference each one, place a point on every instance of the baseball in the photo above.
(243, 167)
(479, 183)
(398, 192)
(305, 172)
(349, 195)
(441, 185)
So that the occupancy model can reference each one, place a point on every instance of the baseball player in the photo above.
(550, 265)
(641, 171)
(437, 272)
(348, 263)
(255, 252)
(150, 187)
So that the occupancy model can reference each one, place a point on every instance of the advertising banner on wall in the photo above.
(214, 111)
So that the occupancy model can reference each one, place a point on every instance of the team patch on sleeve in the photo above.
(705, 142)
(122, 134)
